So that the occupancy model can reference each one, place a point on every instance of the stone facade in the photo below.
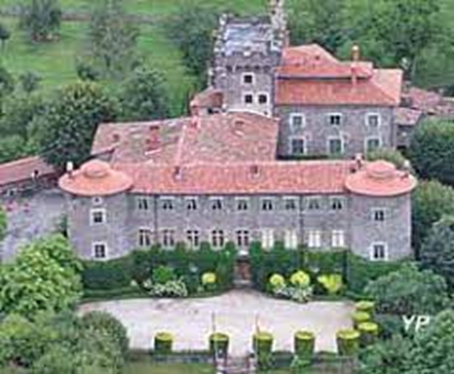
(338, 221)
(355, 131)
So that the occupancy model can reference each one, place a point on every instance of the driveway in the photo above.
(29, 219)
(236, 313)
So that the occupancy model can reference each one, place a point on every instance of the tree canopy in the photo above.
(40, 18)
(70, 122)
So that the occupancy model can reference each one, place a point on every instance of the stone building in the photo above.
(215, 178)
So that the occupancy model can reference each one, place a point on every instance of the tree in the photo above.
(5, 34)
(387, 356)
(317, 21)
(37, 280)
(70, 123)
(390, 155)
(11, 148)
(437, 251)
(408, 291)
(6, 83)
(40, 18)
(29, 81)
(191, 29)
(433, 351)
(113, 39)
(3, 223)
(432, 151)
(143, 96)
(430, 202)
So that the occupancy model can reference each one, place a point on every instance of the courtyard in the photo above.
(236, 313)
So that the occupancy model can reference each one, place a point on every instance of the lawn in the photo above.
(55, 62)
(147, 367)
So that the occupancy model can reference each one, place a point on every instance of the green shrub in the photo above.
(365, 306)
(390, 325)
(262, 343)
(300, 279)
(276, 281)
(163, 342)
(163, 274)
(360, 317)
(368, 332)
(104, 322)
(106, 275)
(332, 283)
(304, 344)
(347, 342)
(219, 344)
(173, 288)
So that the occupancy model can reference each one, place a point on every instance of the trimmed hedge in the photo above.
(365, 306)
(347, 342)
(163, 342)
(304, 344)
(219, 344)
(106, 275)
(360, 317)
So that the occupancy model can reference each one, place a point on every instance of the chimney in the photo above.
(406, 168)
(70, 168)
(354, 64)
(152, 141)
(359, 161)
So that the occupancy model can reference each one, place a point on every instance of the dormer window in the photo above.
(267, 204)
(248, 78)
(167, 204)
(191, 203)
(216, 203)
(337, 203)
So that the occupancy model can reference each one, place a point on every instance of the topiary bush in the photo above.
(209, 281)
(300, 279)
(263, 343)
(360, 317)
(304, 344)
(368, 333)
(332, 283)
(276, 281)
(347, 342)
(365, 306)
(219, 344)
(163, 342)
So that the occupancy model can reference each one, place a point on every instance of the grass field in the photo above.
(55, 62)
(147, 368)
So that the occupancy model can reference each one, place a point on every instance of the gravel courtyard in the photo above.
(190, 320)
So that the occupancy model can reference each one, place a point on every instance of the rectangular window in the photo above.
(142, 203)
(263, 99)
(373, 120)
(378, 215)
(291, 239)
(193, 238)
(290, 203)
(167, 204)
(242, 204)
(297, 121)
(248, 99)
(267, 238)
(298, 146)
(242, 238)
(99, 251)
(248, 78)
(267, 204)
(191, 203)
(168, 238)
(145, 238)
(372, 144)
(335, 119)
(216, 203)
(379, 252)
(313, 203)
(337, 203)
(314, 238)
(338, 239)
(335, 146)
(97, 216)
(217, 239)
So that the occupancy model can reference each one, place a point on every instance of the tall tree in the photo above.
(432, 151)
(143, 96)
(317, 21)
(40, 18)
(430, 202)
(3, 223)
(437, 251)
(191, 29)
(113, 39)
(6, 83)
(70, 123)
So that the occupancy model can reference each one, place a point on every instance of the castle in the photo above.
(220, 175)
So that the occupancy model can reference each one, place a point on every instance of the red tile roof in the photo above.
(311, 177)
(408, 116)
(229, 137)
(22, 170)
(380, 179)
(311, 76)
(210, 98)
(95, 178)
